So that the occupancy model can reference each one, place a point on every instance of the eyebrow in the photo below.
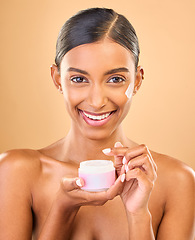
(115, 70)
(71, 69)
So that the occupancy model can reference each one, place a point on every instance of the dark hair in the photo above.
(92, 25)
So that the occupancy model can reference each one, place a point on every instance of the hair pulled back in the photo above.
(92, 25)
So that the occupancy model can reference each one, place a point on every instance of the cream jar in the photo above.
(98, 175)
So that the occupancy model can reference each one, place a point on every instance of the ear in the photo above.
(138, 79)
(56, 77)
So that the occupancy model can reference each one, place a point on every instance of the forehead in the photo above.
(105, 54)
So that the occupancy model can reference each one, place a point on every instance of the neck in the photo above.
(78, 148)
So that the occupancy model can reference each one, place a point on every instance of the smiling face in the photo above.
(94, 79)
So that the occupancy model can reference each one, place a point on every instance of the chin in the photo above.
(98, 134)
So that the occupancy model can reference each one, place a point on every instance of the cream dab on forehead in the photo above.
(129, 91)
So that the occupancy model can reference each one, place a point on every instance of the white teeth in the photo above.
(94, 117)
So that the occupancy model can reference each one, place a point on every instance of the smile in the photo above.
(95, 119)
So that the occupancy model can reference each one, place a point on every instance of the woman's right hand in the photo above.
(72, 196)
(69, 199)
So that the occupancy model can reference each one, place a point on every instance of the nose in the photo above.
(97, 98)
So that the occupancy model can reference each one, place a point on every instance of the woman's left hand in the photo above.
(141, 174)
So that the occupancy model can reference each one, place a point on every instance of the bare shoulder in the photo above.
(18, 171)
(174, 177)
(171, 168)
(23, 163)
(18, 155)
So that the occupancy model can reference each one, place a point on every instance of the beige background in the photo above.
(32, 112)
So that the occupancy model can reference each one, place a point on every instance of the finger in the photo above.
(70, 184)
(115, 151)
(138, 151)
(117, 188)
(144, 163)
(123, 170)
(144, 182)
(82, 197)
(135, 152)
(118, 160)
(146, 150)
(118, 144)
(125, 151)
(128, 153)
(97, 198)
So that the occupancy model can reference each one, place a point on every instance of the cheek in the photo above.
(73, 96)
(119, 97)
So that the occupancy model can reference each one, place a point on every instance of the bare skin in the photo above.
(39, 195)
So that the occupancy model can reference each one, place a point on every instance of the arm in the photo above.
(140, 226)
(178, 184)
(68, 201)
(15, 199)
(140, 178)
(17, 175)
(178, 220)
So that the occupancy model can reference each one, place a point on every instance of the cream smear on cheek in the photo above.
(129, 91)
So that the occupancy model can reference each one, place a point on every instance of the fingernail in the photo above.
(106, 150)
(78, 183)
(123, 177)
(117, 144)
(126, 168)
(124, 160)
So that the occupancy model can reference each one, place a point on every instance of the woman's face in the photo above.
(94, 78)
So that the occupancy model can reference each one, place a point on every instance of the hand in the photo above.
(71, 195)
(140, 175)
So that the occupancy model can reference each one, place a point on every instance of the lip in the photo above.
(96, 123)
(97, 114)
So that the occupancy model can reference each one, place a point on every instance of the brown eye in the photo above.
(116, 80)
(78, 80)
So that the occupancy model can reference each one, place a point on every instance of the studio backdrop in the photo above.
(162, 115)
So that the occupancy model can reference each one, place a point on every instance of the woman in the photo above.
(96, 69)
